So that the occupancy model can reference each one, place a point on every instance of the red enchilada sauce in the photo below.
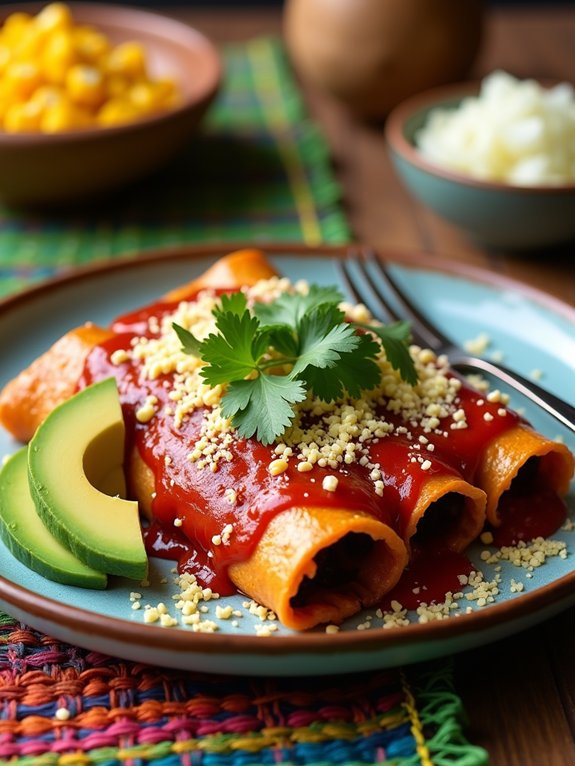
(428, 578)
(527, 515)
(198, 497)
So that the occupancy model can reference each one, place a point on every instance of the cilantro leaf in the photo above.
(283, 339)
(190, 344)
(307, 343)
(354, 372)
(394, 339)
(236, 303)
(234, 352)
(262, 406)
(289, 308)
(323, 338)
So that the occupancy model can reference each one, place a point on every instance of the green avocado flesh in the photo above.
(26, 536)
(74, 470)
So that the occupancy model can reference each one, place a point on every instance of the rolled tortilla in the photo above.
(449, 513)
(51, 379)
(321, 565)
(504, 457)
(311, 565)
(240, 268)
(434, 508)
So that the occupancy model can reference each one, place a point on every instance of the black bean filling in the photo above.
(439, 521)
(526, 478)
(337, 566)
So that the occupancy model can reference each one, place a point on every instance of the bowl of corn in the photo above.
(95, 96)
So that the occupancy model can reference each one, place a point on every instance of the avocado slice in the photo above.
(27, 538)
(77, 450)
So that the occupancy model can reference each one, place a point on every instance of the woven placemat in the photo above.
(64, 706)
(259, 171)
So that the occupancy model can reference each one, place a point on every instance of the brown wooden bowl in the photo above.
(38, 169)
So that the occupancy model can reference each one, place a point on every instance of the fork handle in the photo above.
(553, 405)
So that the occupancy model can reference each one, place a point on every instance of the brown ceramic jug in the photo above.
(371, 54)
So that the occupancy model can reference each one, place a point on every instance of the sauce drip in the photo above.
(526, 516)
(428, 578)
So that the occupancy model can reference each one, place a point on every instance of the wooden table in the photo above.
(519, 693)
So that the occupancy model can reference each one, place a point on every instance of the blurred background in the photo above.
(247, 3)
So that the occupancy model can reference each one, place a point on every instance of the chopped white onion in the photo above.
(515, 131)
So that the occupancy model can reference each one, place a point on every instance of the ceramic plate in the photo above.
(530, 330)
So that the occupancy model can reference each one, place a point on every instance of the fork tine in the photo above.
(422, 330)
(363, 292)
(368, 291)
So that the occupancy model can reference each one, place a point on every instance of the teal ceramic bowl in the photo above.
(497, 215)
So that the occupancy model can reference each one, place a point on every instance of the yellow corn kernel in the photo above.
(45, 96)
(14, 27)
(21, 80)
(58, 56)
(55, 16)
(21, 118)
(5, 57)
(64, 116)
(85, 85)
(90, 45)
(28, 47)
(152, 96)
(165, 89)
(6, 97)
(128, 59)
(117, 111)
(117, 85)
(144, 97)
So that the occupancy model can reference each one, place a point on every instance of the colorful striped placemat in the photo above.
(64, 706)
(259, 171)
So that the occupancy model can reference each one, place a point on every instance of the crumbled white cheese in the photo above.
(147, 411)
(278, 466)
(330, 483)
(478, 345)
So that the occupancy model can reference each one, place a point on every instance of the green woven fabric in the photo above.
(257, 171)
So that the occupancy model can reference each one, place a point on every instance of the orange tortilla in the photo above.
(235, 270)
(284, 565)
(52, 378)
(285, 558)
(503, 458)
(457, 533)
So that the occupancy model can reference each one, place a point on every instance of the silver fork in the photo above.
(367, 290)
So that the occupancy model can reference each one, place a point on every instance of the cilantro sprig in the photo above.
(270, 356)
